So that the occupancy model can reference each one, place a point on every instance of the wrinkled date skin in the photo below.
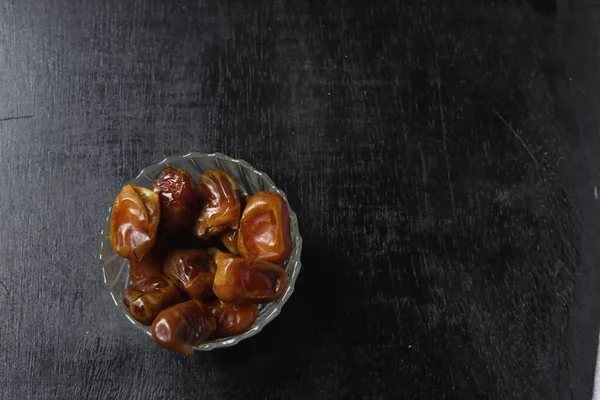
(229, 239)
(134, 222)
(222, 209)
(264, 232)
(192, 271)
(179, 196)
(231, 319)
(183, 326)
(147, 266)
(147, 297)
(240, 281)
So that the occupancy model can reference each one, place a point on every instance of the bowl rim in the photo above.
(294, 257)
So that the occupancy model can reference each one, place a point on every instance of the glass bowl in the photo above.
(250, 180)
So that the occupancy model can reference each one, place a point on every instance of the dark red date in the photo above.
(240, 281)
(134, 222)
(147, 297)
(222, 209)
(264, 232)
(229, 239)
(147, 266)
(179, 197)
(192, 271)
(183, 326)
(231, 319)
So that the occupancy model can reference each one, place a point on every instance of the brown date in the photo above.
(231, 319)
(222, 209)
(183, 326)
(147, 266)
(179, 196)
(147, 297)
(240, 281)
(192, 271)
(134, 222)
(229, 239)
(264, 232)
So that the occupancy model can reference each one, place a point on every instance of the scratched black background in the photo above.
(442, 159)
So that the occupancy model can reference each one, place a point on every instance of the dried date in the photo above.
(147, 297)
(264, 232)
(134, 222)
(222, 208)
(192, 271)
(183, 326)
(240, 281)
(179, 196)
(232, 319)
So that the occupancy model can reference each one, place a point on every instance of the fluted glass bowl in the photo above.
(250, 180)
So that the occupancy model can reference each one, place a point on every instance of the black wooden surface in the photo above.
(443, 158)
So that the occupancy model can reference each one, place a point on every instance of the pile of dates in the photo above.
(201, 256)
